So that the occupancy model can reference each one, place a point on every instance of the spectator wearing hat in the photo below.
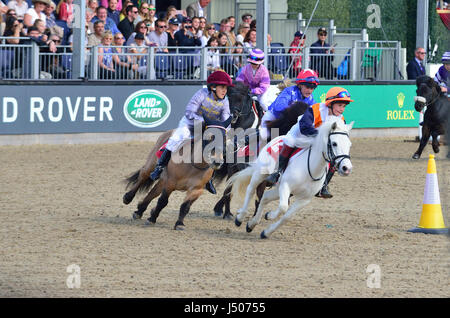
(256, 76)
(37, 12)
(173, 28)
(441, 76)
(415, 67)
(296, 48)
(197, 9)
(247, 18)
(322, 64)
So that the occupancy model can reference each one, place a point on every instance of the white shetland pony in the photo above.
(303, 177)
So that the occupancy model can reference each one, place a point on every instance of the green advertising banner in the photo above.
(378, 106)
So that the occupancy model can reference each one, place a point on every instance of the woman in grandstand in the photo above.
(37, 12)
(105, 57)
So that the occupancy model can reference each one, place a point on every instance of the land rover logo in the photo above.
(147, 108)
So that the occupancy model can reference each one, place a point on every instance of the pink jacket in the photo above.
(258, 84)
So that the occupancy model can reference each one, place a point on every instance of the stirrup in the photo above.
(210, 187)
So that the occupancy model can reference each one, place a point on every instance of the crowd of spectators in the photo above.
(135, 25)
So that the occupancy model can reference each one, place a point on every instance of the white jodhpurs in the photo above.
(179, 136)
(294, 138)
(263, 130)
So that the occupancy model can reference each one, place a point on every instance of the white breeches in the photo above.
(294, 138)
(179, 136)
(263, 130)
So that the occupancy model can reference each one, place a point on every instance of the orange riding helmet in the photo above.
(337, 94)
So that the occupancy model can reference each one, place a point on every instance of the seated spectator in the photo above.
(242, 31)
(3, 8)
(149, 18)
(20, 7)
(172, 13)
(238, 59)
(40, 26)
(140, 28)
(105, 3)
(126, 26)
(210, 30)
(143, 12)
(184, 37)
(91, 8)
(139, 48)
(250, 41)
(51, 21)
(212, 56)
(123, 12)
(232, 23)
(247, 18)
(223, 42)
(102, 15)
(65, 11)
(122, 62)
(37, 12)
(14, 29)
(295, 49)
(105, 57)
(173, 27)
(33, 34)
(159, 36)
(196, 27)
(322, 64)
(96, 37)
(203, 23)
(113, 11)
(225, 27)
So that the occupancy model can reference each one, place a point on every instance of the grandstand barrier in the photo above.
(70, 107)
(371, 60)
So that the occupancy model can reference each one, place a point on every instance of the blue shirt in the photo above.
(286, 98)
(109, 25)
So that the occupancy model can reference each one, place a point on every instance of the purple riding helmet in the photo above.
(256, 56)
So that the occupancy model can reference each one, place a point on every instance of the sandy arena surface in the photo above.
(62, 205)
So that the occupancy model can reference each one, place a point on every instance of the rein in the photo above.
(332, 158)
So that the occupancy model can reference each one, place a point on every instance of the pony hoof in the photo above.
(148, 223)
(179, 228)
(228, 216)
(237, 222)
(127, 198)
(137, 216)
(217, 213)
(248, 228)
(416, 156)
(263, 235)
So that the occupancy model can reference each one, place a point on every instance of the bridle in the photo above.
(334, 160)
(425, 104)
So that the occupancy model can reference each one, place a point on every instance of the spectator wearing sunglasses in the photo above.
(126, 26)
(256, 76)
(415, 67)
(159, 36)
(322, 63)
(242, 32)
(210, 30)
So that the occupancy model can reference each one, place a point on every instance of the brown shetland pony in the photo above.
(189, 177)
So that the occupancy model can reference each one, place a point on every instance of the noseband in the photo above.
(331, 157)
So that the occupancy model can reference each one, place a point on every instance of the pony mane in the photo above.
(326, 127)
(288, 117)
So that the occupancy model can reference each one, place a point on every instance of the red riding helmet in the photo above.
(307, 76)
(220, 78)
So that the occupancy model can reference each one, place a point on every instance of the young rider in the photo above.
(256, 76)
(303, 133)
(211, 102)
(306, 82)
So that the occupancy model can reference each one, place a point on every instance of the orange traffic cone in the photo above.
(431, 220)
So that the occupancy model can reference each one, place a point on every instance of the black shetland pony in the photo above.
(429, 94)
(284, 123)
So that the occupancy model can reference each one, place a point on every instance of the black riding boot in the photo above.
(285, 154)
(210, 186)
(324, 193)
(162, 163)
